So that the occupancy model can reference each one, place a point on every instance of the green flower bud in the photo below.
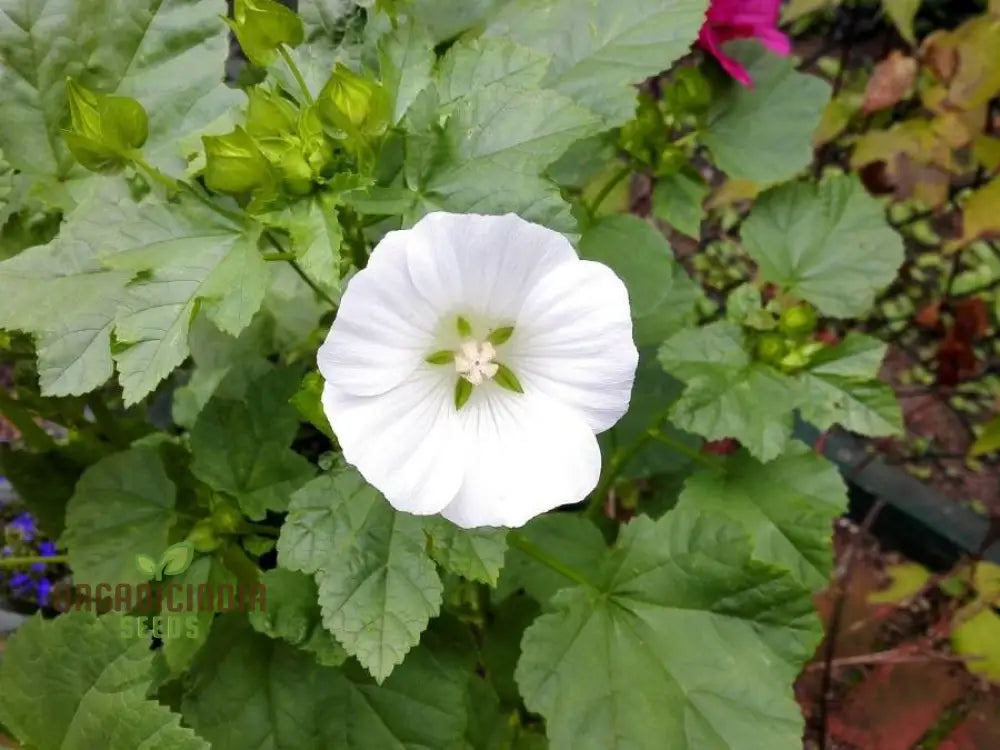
(203, 538)
(801, 356)
(771, 348)
(269, 114)
(226, 518)
(798, 321)
(316, 146)
(669, 161)
(234, 164)
(104, 130)
(262, 26)
(353, 105)
(689, 92)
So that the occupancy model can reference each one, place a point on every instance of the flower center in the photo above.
(474, 361)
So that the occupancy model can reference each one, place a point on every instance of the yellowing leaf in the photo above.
(989, 440)
(836, 116)
(891, 81)
(796, 9)
(980, 215)
(733, 191)
(902, 13)
(978, 638)
(986, 579)
(907, 580)
(986, 150)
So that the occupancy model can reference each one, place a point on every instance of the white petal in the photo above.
(482, 264)
(384, 327)
(526, 455)
(406, 442)
(573, 342)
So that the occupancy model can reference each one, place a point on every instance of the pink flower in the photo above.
(742, 19)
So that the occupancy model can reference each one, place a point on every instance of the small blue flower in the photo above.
(6, 551)
(47, 549)
(25, 524)
(42, 590)
(21, 583)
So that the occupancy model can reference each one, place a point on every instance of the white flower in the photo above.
(471, 365)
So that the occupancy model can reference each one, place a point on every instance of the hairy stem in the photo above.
(26, 560)
(296, 73)
(519, 541)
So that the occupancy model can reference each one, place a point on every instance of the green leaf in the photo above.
(903, 13)
(476, 554)
(407, 62)
(764, 133)
(653, 393)
(574, 541)
(177, 558)
(725, 390)
(463, 327)
(184, 256)
(308, 401)
(241, 447)
(146, 565)
(598, 55)
(829, 244)
(677, 200)
(675, 599)
(194, 625)
(123, 506)
(787, 506)
(74, 350)
(988, 440)
(223, 365)
(476, 63)
(293, 614)
(317, 238)
(377, 587)
(661, 294)
(263, 693)
(501, 129)
(166, 54)
(79, 682)
(841, 386)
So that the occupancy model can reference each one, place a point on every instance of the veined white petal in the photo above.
(384, 327)
(483, 264)
(526, 454)
(407, 442)
(573, 342)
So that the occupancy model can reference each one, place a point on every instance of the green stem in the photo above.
(17, 415)
(605, 191)
(274, 257)
(622, 458)
(106, 421)
(177, 186)
(298, 269)
(296, 73)
(260, 529)
(23, 562)
(685, 450)
(519, 541)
